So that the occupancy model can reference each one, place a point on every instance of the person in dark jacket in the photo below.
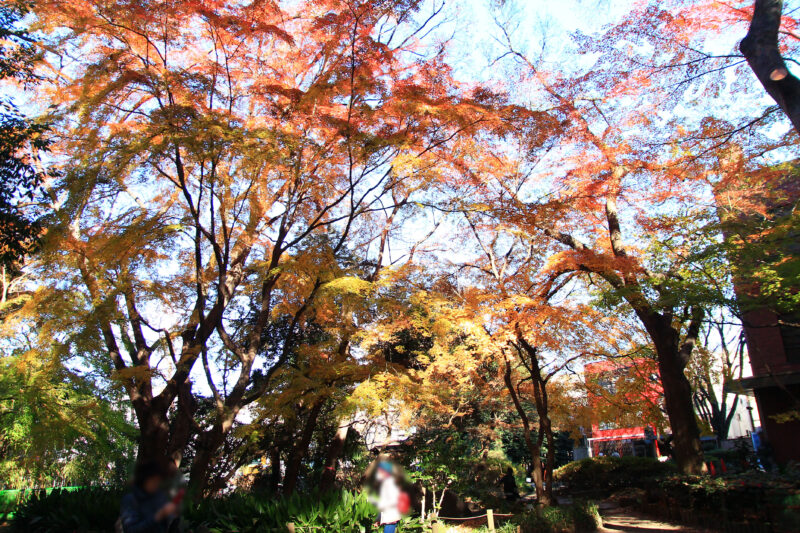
(146, 508)
(509, 485)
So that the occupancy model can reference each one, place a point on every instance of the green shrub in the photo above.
(9, 499)
(412, 524)
(611, 473)
(508, 527)
(84, 510)
(547, 520)
(585, 516)
(580, 517)
(334, 511)
(749, 497)
(13, 498)
(96, 510)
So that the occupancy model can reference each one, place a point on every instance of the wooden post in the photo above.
(490, 519)
(290, 527)
(424, 497)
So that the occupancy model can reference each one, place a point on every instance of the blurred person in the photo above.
(509, 485)
(147, 508)
(389, 497)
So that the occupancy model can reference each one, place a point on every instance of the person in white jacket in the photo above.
(388, 497)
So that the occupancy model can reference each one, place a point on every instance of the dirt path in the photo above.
(620, 519)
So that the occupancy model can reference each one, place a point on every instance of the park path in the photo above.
(621, 519)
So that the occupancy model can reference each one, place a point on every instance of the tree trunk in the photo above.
(328, 480)
(542, 495)
(153, 437)
(717, 412)
(183, 427)
(300, 448)
(546, 430)
(208, 445)
(275, 469)
(762, 50)
(677, 395)
(543, 411)
(163, 439)
(678, 399)
(538, 470)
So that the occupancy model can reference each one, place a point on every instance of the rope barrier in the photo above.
(473, 517)
(294, 527)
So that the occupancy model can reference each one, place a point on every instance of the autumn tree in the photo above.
(59, 424)
(56, 427)
(320, 369)
(22, 141)
(205, 147)
(536, 333)
(497, 339)
(506, 298)
(689, 55)
(603, 194)
(437, 377)
(623, 386)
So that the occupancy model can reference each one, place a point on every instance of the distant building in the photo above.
(775, 359)
(772, 336)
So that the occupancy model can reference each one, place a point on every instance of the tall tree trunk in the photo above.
(163, 438)
(672, 360)
(183, 425)
(551, 460)
(300, 449)
(677, 396)
(208, 445)
(761, 48)
(546, 434)
(543, 411)
(153, 437)
(534, 448)
(275, 469)
(332, 460)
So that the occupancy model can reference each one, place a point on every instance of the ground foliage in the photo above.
(746, 498)
(97, 509)
(579, 517)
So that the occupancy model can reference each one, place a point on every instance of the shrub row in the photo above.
(612, 473)
(770, 501)
(96, 510)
